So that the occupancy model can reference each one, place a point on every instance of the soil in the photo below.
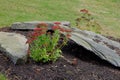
(88, 67)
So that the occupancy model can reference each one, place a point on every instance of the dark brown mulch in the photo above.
(89, 66)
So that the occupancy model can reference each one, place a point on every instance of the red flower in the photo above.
(57, 23)
(84, 10)
(68, 35)
(29, 41)
(62, 29)
(42, 25)
(38, 29)
(35, 34)
(55, 27)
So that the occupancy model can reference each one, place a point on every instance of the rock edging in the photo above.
(14, 45)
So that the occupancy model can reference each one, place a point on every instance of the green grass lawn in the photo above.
(106, 12)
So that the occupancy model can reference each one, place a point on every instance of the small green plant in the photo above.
(44, 44)
(87, 22)
(2, 77)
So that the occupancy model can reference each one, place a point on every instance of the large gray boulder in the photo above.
(101, 46)
(14, 46)
(98, 44)
(32, 24)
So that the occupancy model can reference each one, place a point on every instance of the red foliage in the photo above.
(61, 29)
(42, 25)
(84, 10)
(55, 27)
(68, 35)
(38, 31)
(57, 23)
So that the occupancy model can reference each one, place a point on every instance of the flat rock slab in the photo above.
(99, 45)
(31, 25)
(14, 45)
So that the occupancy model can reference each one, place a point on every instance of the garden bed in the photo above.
(88, 67)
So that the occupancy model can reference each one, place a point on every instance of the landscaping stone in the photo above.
(98, 44)
(15, 47)
(31, 25)
(101, 46)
